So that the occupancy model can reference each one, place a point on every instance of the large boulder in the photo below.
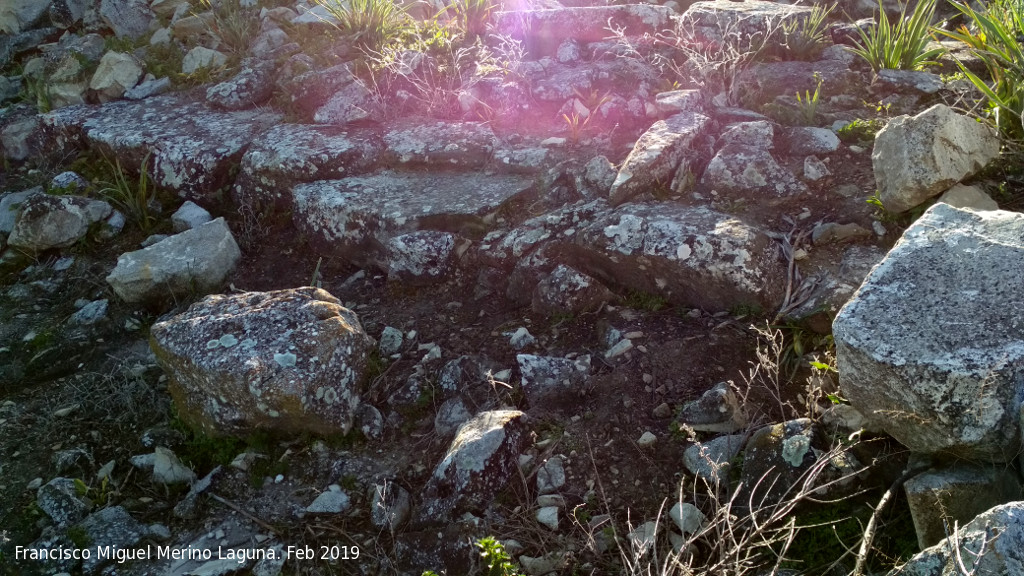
(992, 543)
(47, 222)
(289, 360)
(918, 157)
(929, 348)
(480, 460)
(657, 155)
(194, 262)
(188, 147)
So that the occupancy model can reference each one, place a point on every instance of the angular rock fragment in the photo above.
(196, 261)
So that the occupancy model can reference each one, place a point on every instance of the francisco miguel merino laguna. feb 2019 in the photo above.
(149, 552)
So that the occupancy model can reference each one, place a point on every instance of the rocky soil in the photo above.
(271, 305)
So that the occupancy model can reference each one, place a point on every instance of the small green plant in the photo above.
(900, 46)
(808, 104)
(37, 93)
(574, 125)
(495, 558)
(804, 38)
(164, 60)
(232, 23)
(996, 38)
(369, 24)
(645, 301)
(100, 495)
(860, 130)
(132, 198)
(79, 536)
(470, 15)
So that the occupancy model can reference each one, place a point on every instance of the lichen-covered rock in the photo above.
(692, 256)
(193, 262)
(804, 140)
(289, 154)
(127, 18)
(349, 215)
(928, 348)
(657, 155)
(755, 134)
(351, 103)
(992, 543)
(111, 527)
(420, 257)
(480, 460)
(308, 88)
(46, 222)
(69, 183)
(452, 413)
(712, 22)
(252, 86)
(289, 360)
(465, 145)
(675, 101)
(918, 157)
(59, 499)
(191, 149)
(543, 31)
(10, 206)
(550, 381)
(568, 291)
(776, 458)
(939, 497)
(740, 172)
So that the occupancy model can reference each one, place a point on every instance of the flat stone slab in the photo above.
(350, 214)
(931, 347)
(691, 255)
(290, 154)
(192, 148)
